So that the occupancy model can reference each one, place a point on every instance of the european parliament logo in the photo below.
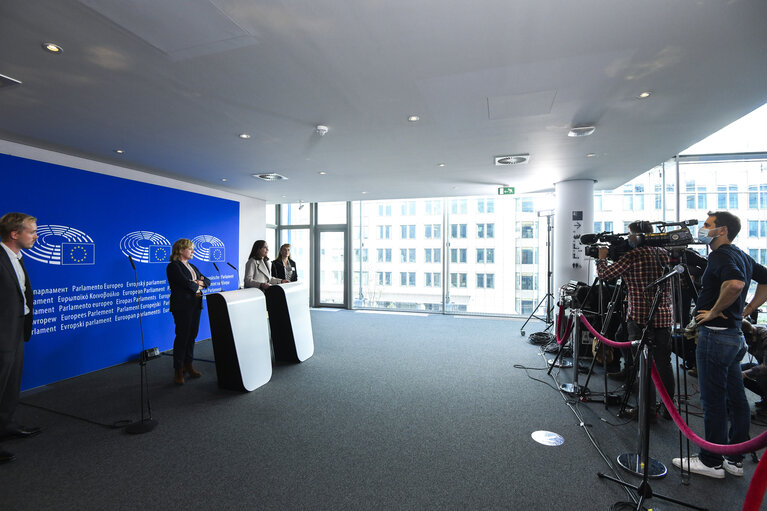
(209, 248)
(146, 247)
(62, 245)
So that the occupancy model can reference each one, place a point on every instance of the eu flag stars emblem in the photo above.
(78, 253)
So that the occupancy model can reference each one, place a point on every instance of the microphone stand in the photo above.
(220, 283)
(146, 424)
(238, 273)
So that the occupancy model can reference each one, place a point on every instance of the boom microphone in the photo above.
(220, 282)
(131, 262)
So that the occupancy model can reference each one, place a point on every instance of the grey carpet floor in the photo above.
(392, 412)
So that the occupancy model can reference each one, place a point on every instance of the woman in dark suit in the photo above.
(284, 267)
(186, 285)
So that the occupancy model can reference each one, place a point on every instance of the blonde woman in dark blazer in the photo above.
(258, 269)
(284, 267)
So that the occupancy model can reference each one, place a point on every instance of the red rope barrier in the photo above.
(755, 493)
(601, 337)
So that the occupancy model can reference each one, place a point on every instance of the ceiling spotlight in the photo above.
(223, 180)
(645, 94)
(581, 131)
(244, 136)
(120, 151)
(591, 155)
(321, 130)
(52, 48)
(413, 118)
(364, 193)
(440, 164)
(322, 172)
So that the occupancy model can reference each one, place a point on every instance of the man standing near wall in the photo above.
(17, 231)
(721, 345)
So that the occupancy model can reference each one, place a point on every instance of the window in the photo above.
(408, 208)
(525, 205)
(628, 198)
(407, 231)
(658, 198)
(598, 201)
(407, 278)
(384, 210)
(757, 196)
(407, 255)
(480, 255)
(384, 232)
(527, 255)
(458, 206)
(609, 226)
(457, 280)
(458, 255)
(433, 279)
(433, 207)
(733, 197)
(384, 278)
(526, 230)
(384, 255)
(485, 230)
(753, 229)
(432, 231)
(360, 252)
(486, 280)
(485, 205)
(639, 196)
(527, 281)
(457, 230)
(432, 255)
(486, 255)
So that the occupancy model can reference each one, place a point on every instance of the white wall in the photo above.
(252, 211)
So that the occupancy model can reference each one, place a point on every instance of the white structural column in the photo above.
(573, 216)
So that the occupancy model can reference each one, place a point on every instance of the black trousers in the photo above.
(187, 325)
(661, 342)
(11, 369)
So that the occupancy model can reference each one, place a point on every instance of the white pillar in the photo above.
(573, 216)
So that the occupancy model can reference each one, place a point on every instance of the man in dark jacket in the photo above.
(755, 373)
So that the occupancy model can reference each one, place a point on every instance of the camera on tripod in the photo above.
(616, 244)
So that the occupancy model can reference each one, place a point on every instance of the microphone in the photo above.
(131, 262)
(678, 269)
(238, 273)
(220, 282)
(589, 239)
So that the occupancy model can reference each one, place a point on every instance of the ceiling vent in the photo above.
(514, 159)
(7, 81)
(271, 176)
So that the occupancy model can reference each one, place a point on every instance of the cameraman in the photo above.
(639, 268)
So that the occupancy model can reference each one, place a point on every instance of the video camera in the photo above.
(619, 244)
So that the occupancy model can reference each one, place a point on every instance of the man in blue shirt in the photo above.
(721, 346)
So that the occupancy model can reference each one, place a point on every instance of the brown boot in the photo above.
(178, 376)
(191, 371)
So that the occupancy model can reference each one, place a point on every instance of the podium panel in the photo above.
(240, 334)
(291, 323)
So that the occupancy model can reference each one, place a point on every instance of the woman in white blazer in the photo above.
(258, 269)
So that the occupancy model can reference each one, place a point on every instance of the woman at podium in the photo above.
(284, 267)
(186, 285)
(258, 269)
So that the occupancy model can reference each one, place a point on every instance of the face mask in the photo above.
(703, 236)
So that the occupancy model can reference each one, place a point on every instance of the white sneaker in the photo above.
(694, 465)
(733, 468)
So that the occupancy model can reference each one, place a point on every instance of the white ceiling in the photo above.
(173, 82)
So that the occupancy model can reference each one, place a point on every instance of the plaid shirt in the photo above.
(639, 268)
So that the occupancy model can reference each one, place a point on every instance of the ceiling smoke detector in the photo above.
(321, 130)
(270, 176)
(513, 159)
(581, 131)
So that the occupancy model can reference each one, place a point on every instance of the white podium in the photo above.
(291, 323)
(240, 333)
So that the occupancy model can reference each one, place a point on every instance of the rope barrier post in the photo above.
(573, 388)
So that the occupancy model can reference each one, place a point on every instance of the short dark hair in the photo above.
(12, 222)
(640, 227)
(726, 219)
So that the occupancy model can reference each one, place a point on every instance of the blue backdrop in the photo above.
(86, 307)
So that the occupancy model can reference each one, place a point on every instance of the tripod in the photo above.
(548, 298)
(640, 463)
(145, 425)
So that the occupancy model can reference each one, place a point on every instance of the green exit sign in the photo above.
(506, 190)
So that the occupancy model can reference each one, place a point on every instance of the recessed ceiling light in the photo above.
(581, 131)
(269, 176)
(244, 136)
(223, 180)
(591, 155)
(364, 193)
(52, 48)
(284, 196)
(322, 172)
(120, 151)
(413, 118)
(440, 164)
(645, 94)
